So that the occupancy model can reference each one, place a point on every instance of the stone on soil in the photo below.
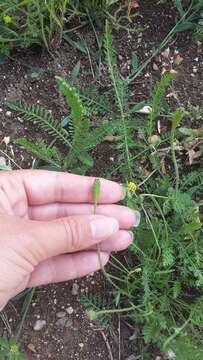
(39, 324)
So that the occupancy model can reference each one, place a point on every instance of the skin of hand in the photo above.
(48, 232)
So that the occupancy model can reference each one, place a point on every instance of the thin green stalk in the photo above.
(89, 57)
(120, 263)
(169, 36)
(28, 301)
(115, 81)
(94, 30)
(116, 278)
(43, 31)
(75, 28)
(5, 154)
(116, 266)
(175, 334)
(117, 311)
(152, 228)
(155, 196)
(161, 213)
(147, 178)
(174, 159)
(133, 158)
(96, 194)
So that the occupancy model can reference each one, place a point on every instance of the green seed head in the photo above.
(92, 314)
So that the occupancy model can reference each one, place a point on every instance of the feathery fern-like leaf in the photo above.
(41, 150)
(72, 98)
(159, 94)
(185, 349)
(193, 178)
(157, 99)
(118, 84)
(43, 118)
(80, 125)
(97, 303)
(120, 89)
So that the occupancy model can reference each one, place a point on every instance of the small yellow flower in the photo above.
(132, 186)
(7, 19)
(13, 349)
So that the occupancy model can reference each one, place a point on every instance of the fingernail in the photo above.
(131, 235)
(124, 192)
(104, 227)
(137, 218)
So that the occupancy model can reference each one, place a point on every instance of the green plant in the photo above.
(9, 349)
(199, 28)
(93, 305)
(162, 288)
(194, 19)
(30, 22)
(78, 138)
(160, 285)
(92, 5)
(113, 10)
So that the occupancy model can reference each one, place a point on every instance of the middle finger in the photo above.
(126, 217)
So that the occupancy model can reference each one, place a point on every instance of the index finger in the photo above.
(45, 187)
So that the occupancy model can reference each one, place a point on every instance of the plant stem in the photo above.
(155, 196)
(96, 194)
(152, 228)
(174, 159)
(176, 333)
(148, 177)
(116, 311)
(115, 77)
(27, 303)
(131, 78)
(5, 154)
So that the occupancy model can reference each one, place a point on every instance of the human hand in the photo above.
(48, 232)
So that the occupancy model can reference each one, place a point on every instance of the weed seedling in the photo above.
(9, 349)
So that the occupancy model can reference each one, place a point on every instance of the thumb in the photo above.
(69, 234)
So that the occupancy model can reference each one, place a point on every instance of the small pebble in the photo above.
(81, 345)
(75, 289)
(170, 355)
(6, 140)
(69, 310)
(132, 357)
(172, 71)
(155, 67)
(8, 113)
(61, 314)
(64, 322)
(39, 324)
(31, 347)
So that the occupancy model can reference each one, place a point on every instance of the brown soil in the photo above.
(83, 340)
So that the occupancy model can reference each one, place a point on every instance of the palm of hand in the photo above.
(35, 236)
